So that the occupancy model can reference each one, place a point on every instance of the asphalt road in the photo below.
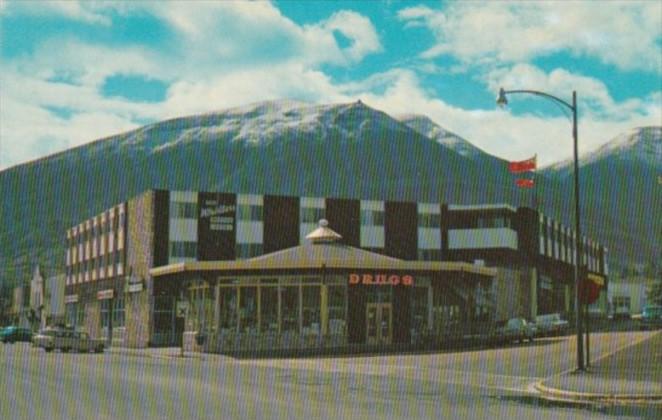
(494, 383)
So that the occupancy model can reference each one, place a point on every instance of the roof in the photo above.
(322, 251)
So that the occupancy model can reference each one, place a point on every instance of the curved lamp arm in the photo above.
(502, 100)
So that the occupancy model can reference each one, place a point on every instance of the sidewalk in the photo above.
(631, 375)
(156, 352)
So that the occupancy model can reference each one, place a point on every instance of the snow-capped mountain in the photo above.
(429, 128)
(293, 148)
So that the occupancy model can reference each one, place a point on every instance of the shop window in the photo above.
(289, 308)
(269, 309)
(248, 309)
(105, 313)
(310, 309)
(118, 312)
(228, 309)
(72, 314)
(164, 313)
(337, 298)
(419, 309)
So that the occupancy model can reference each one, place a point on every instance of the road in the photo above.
(495, 383)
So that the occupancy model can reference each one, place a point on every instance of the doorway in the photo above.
(379, 323)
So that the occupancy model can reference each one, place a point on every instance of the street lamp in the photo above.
(503, 101)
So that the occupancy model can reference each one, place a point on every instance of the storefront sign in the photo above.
(71, 299)
(381, 279)
(105, 294)
(182, 308)
(221, 216)
(133, 287)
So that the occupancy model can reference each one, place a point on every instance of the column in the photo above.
(534, 293)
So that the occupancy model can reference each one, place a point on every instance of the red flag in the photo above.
(522, 166)
(524, 183)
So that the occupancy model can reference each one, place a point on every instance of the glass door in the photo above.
(379, 325)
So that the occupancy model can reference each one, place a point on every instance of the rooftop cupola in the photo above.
(323, 234)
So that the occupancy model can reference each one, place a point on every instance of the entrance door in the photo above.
(379, 323)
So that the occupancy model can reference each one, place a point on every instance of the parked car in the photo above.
(65, 340)
(515, 329)
(651, 317)
(13, 334)
(551, 325)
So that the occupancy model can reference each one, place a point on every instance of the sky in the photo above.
(72, 71)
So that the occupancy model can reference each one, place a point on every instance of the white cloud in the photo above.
(503, 134)
(87, 12)
(624, 34)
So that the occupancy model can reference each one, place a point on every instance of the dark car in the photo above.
(651, 317)
(13, 334)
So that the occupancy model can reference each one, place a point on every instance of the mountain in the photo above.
(621, 188)
(429, 128)
(279, 147)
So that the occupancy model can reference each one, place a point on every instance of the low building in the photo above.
(131, 267)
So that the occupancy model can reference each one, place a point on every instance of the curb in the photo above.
(588, 397)
(155, 356)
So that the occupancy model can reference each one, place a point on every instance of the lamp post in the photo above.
(503, 101)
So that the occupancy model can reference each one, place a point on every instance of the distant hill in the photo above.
(281, 147)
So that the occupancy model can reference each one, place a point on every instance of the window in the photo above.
(248, 309)
(337, 309)
(419, 309)
(183, 210)
(228, 309)
(249, 212)
(372, 218)
(290, 308)
(310, 309)
(118, 311)
(311, 214)
(431, 220)
(248, 250)
(269, 309)
(183, 249)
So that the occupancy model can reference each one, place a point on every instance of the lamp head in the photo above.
(502, 101)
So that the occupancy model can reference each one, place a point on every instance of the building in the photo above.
(145, 271)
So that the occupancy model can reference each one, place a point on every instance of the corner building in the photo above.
(259, 272)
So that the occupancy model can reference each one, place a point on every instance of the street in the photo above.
(470, 384)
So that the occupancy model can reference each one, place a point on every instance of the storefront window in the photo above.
(337, 309)
(419, 309)
(269, 308)
(290, 308)
(105, 313)
(164, 314)
(248, 309)
(311, 309)
(118, 312)
(228, 309)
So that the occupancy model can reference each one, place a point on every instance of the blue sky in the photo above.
(73, 72)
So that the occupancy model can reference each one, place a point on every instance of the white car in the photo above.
(65, 340)
(551, 325)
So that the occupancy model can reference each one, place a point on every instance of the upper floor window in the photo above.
(183, 210)
(183, 249)
(249, 212)
(431, 220)
(311, 214)
(372, 218)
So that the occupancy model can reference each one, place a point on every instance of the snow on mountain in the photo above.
(642, 144)
(429, 128)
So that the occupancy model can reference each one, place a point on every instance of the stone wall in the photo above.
(512, 291)
(93, 318)
(139, 259)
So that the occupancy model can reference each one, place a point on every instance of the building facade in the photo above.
(130, 268)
